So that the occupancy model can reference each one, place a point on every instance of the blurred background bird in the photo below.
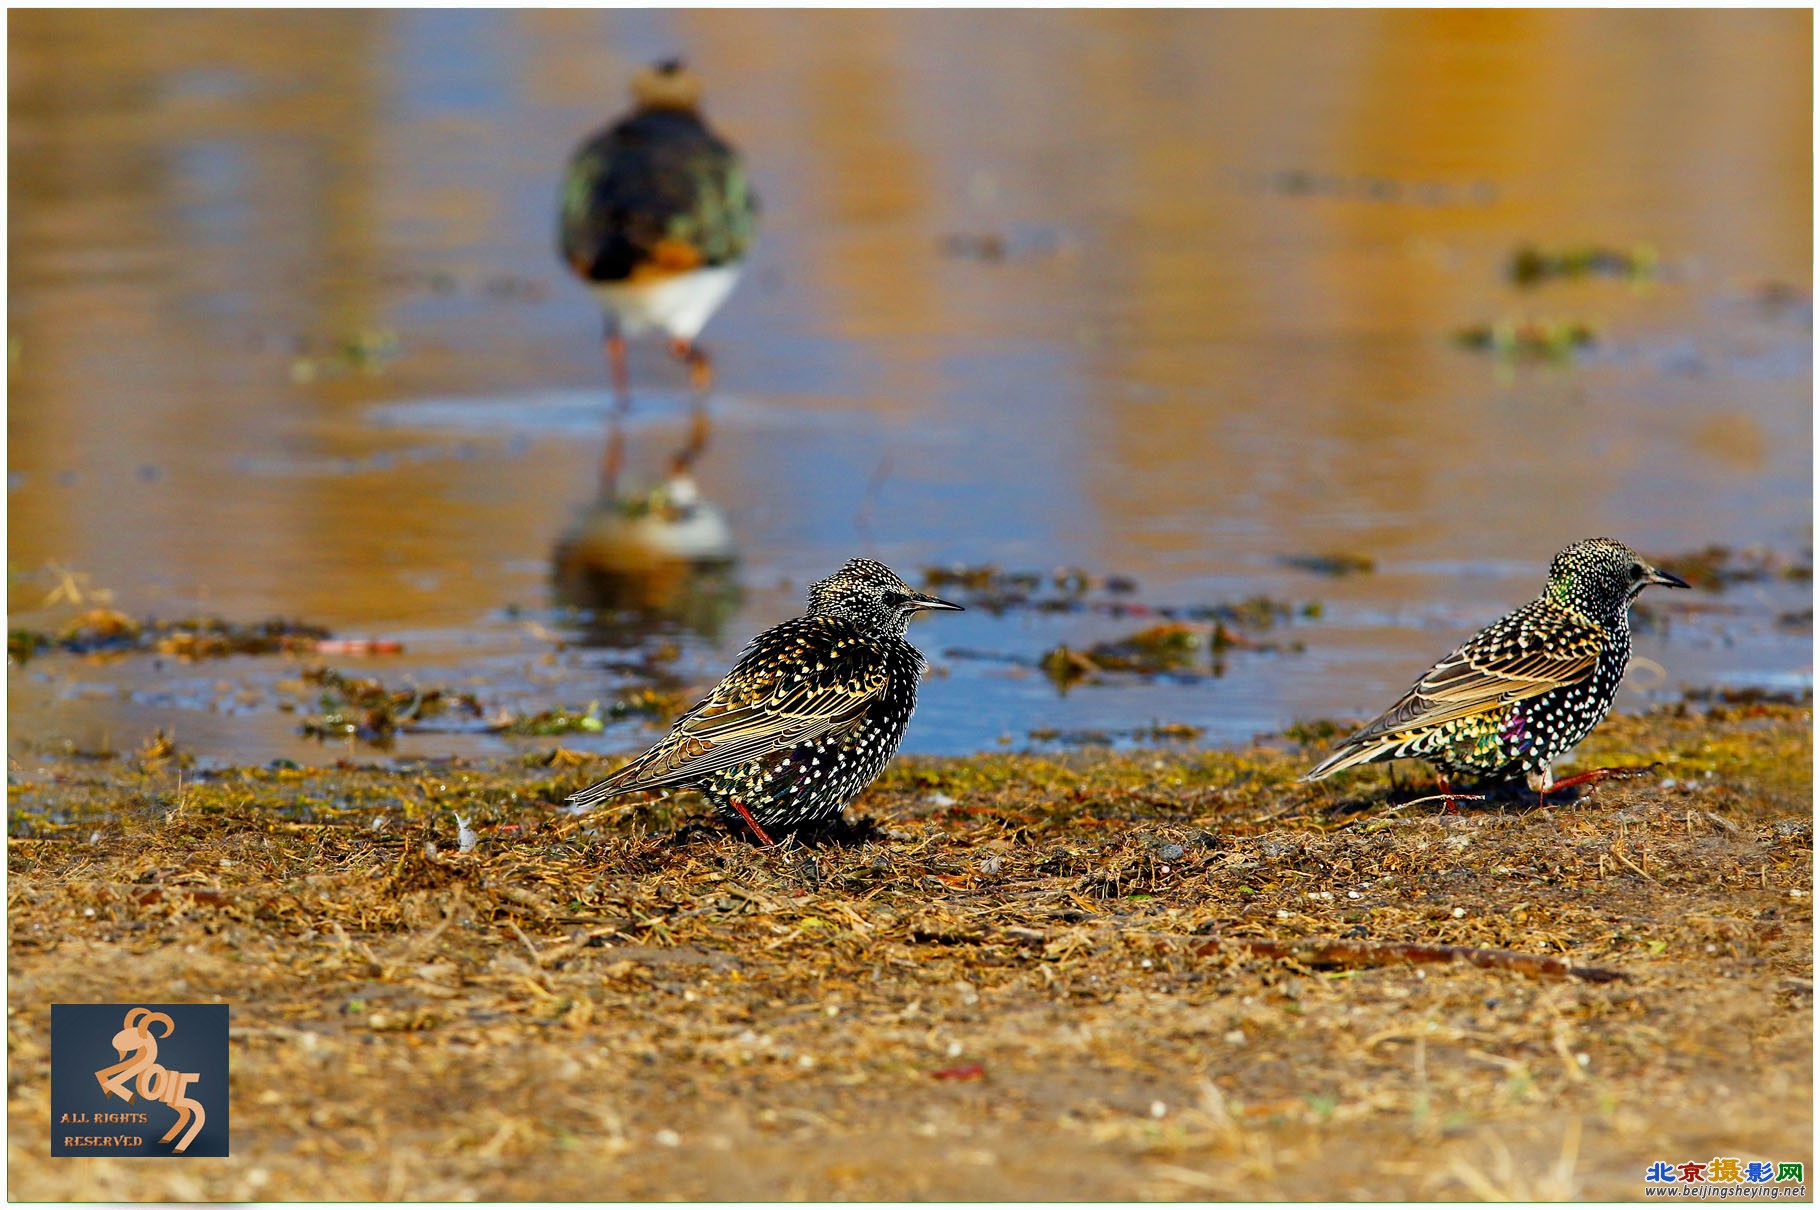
(809, 716)
(1526, 689)
(657, 217)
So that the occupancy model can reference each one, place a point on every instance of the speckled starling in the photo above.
(809, 715)
(1527, 688)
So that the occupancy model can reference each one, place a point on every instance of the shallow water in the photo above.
(1166, 295)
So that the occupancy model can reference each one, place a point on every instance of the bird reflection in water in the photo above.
(648, 563)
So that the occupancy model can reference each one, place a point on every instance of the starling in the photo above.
(656, 217)
(808, 716)
(1527, 688)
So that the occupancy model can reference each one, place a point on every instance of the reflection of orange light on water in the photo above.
(1226, 250)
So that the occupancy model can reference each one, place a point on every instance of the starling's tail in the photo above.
(628, 780)
(1348, 754)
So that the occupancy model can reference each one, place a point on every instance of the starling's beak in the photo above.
(922, 602)
(1663, 577)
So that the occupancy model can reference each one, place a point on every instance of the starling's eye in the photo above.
(895, 598)
(1636, 572)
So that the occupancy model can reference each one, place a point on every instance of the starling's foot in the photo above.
(1597, 775)
(752, 823)
(1593, 776)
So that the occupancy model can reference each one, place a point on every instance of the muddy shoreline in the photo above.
(1023, 977)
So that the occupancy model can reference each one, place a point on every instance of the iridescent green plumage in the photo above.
(656, 192)
(1527, 688)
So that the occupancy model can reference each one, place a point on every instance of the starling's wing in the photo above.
(657, 193)
(1533, 651)
(797, 682)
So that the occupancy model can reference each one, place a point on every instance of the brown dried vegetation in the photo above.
(1025, 978)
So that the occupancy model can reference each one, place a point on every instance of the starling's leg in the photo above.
(1450, 807)
(751, 823)
(1598, 775)
(701, 380)
(615, 455)
(1540, 781)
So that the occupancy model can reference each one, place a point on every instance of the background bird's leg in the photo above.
(613, 458)
(615, 454)
(1449, 807)
(751, 823)
(701, 380)
(616, 368)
